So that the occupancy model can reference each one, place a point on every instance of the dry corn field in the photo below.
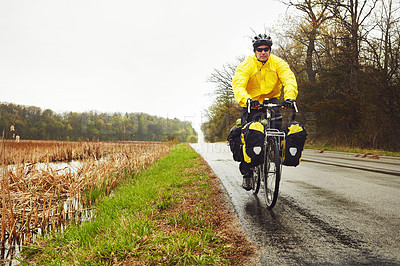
(39, 195)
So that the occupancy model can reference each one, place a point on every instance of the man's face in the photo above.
(262, 53)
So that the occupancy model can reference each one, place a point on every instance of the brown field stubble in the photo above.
(38, 195)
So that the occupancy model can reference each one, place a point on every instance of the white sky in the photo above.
(123, 56)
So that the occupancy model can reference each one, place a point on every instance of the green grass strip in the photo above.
(142, 222)
(351, 150)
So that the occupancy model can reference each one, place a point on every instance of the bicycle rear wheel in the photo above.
(257, 175)
(272, 172)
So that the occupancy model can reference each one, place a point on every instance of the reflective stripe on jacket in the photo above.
(257, 81)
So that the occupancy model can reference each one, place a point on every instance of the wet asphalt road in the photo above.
(333, 209)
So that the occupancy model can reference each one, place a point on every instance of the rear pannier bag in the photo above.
(235, 143)
(253, 142)
(293, 144)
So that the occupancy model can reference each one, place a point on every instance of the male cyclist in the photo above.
(262, 75)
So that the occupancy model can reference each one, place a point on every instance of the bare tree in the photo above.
(315, 14)
(222, 78)
(383, 63)
(225, 110)
(352, 15)
(384, 47)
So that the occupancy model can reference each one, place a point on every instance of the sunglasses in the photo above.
(266, 49)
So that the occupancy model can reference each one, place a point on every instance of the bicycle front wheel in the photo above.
(257, 175)
(272, 172)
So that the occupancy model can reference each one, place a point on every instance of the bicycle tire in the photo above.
(257, 175)
(272, 170)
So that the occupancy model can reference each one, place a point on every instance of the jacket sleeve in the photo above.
(288, 80)
(239, 84)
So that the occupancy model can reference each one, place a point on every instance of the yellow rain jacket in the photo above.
(257, 81)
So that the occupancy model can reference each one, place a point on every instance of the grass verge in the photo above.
(350, 149)
(169, 214)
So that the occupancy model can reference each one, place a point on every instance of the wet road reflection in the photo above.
(325, 214)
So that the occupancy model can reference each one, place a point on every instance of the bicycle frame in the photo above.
(272, 132)
(271, 169)
(279, 135)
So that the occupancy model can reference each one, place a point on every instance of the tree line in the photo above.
(346, 58)
(33, 123)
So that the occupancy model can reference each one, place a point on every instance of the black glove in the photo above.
(252, 103)
(288, 103)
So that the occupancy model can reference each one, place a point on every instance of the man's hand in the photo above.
(253, 103)
(288, 103)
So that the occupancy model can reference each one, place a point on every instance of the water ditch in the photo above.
(38, 198)
(71, 211)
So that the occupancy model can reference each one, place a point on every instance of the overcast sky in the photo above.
(123, 56)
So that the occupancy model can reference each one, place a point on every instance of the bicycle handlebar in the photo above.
(269, 106)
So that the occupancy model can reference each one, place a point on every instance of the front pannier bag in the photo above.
(253, 142)
(235, 143)
(293, 145)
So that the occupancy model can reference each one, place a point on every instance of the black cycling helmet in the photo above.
(261, 39)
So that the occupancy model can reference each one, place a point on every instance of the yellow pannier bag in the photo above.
(253, 141)
(293, 144)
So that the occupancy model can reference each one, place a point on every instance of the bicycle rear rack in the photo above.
(272, 132)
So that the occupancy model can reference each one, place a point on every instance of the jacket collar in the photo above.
(260, 64)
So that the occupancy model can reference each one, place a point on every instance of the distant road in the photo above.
(334, 209)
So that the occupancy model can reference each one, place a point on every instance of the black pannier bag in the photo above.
(253, 141)
(293, 145)
(235, 143)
